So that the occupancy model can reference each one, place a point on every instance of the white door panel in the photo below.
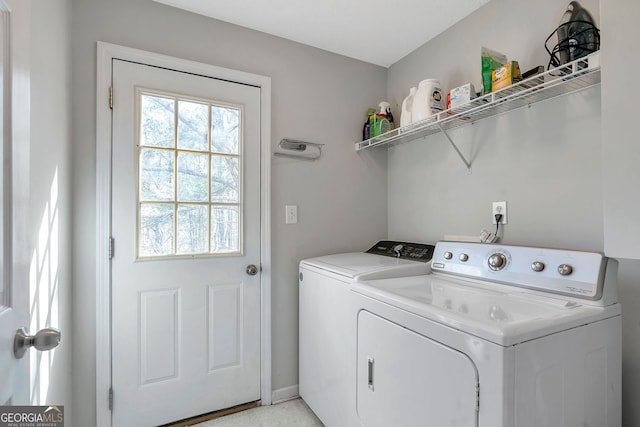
(14, 281)
(185, 327)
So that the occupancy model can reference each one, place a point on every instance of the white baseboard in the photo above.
(285, 393)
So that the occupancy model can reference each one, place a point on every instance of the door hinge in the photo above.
(478, 397)
(112, 248)
(110, 398)
(111, 98)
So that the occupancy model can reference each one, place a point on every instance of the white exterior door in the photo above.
(186, 229)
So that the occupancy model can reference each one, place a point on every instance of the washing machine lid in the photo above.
(501, 314)
(358, 266)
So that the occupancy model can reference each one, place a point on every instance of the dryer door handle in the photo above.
(370, 362)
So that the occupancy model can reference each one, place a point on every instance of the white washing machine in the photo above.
(325, 333)
(496, 336)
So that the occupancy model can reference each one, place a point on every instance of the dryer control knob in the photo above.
(448, 255)
(565, 269)
(537, 266)
(497, 261)
(463, 257)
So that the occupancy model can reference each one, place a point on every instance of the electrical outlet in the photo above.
(291, 214)
(499, 208)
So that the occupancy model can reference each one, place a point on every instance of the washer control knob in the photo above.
(565, 269)
(448, 255)
(537, 266)
(463, 257)
(497, 261)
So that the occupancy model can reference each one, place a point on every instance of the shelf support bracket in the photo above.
(455, 147)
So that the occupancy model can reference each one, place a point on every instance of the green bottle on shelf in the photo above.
(381, 123)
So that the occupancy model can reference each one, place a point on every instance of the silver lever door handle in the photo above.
(45, 339)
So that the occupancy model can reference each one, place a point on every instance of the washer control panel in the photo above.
(403, 250)
(575, 273)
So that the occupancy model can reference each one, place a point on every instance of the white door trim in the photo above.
(106, 53)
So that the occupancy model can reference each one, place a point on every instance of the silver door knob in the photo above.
(45, 339)
(252, 270)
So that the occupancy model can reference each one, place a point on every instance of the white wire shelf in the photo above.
(569, 78)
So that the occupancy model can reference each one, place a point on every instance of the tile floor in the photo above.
(292, 413)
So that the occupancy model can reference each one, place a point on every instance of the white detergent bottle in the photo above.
(427, 100)
(407, 106)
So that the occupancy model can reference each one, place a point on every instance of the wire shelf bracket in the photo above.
(455, 147)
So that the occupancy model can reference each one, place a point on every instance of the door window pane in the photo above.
(193, 126)
(193, 177)
(225, 130)
(193, 229)
(225, 229)
(156, 175)
(157, 121)
(156, 229)
(189, 174)
(225, 179)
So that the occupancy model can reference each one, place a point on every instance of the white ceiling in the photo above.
(377, 31)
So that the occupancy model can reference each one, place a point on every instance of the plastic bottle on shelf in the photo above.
(366, 129)
(392, 124)
(407, 106)
(427, 101)
(381, 122)
(375, 125)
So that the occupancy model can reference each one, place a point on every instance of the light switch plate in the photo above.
(291, 212)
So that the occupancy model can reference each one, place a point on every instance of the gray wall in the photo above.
(621, 152)
(316, 96)
(545, 161)
(50, 198)
(619, 114)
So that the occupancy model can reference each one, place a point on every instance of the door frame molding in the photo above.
(106, 54)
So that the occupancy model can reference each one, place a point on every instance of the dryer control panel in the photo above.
(404, 250)
(577, 274)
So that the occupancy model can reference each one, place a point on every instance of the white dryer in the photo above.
(324, 332)
(496, 336)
